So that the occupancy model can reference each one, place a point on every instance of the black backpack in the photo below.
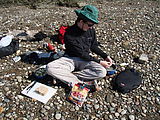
(126, 81)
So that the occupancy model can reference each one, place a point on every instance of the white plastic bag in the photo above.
(5, 41)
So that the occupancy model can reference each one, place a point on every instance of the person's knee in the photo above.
(102, 73)
(100, 70)
(49, 69)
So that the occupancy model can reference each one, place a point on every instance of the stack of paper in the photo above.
(39, 91)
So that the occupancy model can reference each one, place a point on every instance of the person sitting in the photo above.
(77, 65)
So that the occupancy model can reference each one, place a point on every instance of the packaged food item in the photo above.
(41, 90)
(78, 94)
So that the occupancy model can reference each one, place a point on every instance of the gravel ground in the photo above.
(127, 29)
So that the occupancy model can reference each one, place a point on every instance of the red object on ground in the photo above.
(50, 47)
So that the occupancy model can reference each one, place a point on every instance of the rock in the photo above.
(20, 97)
(158, 100)
(144, 88)
(6, 89)
(117, 115)
(96, 106)
(58, 116)
(131, 117)
(109, 98)
(76, 108)
(123, 112)
(143, 58)
(129, 109)
(125, 44)
(1, 109)
(157, 88)
(43, 110)
(152, 57)
(47, 107)
(22, 118)
(19, 78)
(119, 110)
(111, 109)
(72, 109)
(32, 114)
(81, 4)
(111, 117)
(31, 33)
(105, 117)
(113, 105)
(123, 118)
(123, 64)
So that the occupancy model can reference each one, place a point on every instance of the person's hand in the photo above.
(109, 60)
(105, 63)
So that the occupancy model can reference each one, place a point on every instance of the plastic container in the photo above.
(111, 70)
(40, 72)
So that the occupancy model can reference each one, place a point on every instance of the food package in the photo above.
(78, 94)
(42, 90)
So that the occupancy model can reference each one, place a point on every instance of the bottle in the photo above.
(111, 70)
(48, 46)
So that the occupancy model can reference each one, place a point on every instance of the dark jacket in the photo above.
(79, 43)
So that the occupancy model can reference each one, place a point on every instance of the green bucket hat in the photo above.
(90, 12)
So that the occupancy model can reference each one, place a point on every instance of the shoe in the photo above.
(92, 85)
